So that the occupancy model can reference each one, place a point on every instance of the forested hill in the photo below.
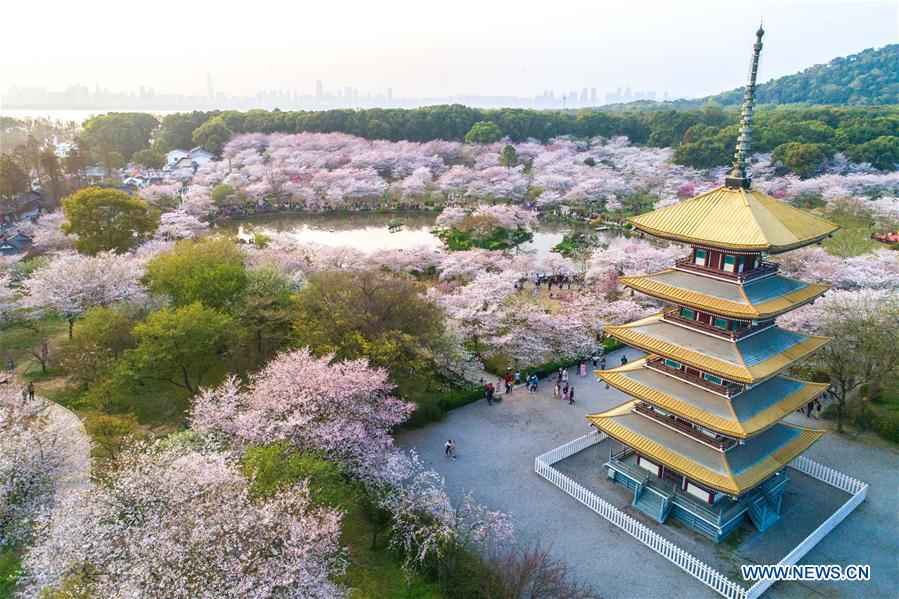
(869, 77)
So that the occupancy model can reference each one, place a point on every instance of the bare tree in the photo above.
(531, 572)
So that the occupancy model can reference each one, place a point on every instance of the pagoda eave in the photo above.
(671, 341)
(727, 472)
(714, 305)
(730, 424)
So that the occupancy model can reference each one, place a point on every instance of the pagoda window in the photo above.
(721, 323)
(712, 378)
(700, 257)
(672, 363)
(730, 263)
(688, 313)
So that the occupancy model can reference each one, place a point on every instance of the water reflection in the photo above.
(368, 231)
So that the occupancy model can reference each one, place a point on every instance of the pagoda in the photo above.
(702, 439)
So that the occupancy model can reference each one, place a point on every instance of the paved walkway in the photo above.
(497, 446)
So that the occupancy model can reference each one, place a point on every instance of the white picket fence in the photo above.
(856, 488)
(681, 558)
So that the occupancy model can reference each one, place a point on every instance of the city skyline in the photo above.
(83, 96)
(482, 50)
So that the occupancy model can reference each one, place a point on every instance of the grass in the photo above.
(375, 573)
(852, 239)
(9, 571)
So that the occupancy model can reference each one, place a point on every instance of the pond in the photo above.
(368, 231)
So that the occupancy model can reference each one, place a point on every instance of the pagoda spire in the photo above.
(738, 178)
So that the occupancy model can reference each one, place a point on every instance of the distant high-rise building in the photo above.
(389, 94)
(593, 96)
(319, 89)
(210, 91)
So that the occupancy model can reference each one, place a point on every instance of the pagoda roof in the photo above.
(741, 416)
(748, 359)
(757, 299)
(736, 219)
(733, 472)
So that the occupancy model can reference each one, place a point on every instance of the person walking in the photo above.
(449, 449)
(557, 390)
(595, 360)
(817, 411)
(808, 408)
(565, 392)
(623, 360)
(31, 390)
(489, 395)
(582, 369)
(602, 363)
(565, 377)
(571, 396)
(10, 365)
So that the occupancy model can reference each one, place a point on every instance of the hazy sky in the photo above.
(426, 48)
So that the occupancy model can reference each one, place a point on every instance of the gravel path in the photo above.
(496, 447)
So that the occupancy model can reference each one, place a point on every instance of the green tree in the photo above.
(210, 271)
(508, 157)
(52, 172)
(483, 132)
(222, 193)
(264, 309)
(13, 179)
(103, 336)
(176, 130)
(213, 135)
(371, 314)
(803, 159)
(149, 159)
(78, 159)
(882, 152)
(179, 345)
(107, 219)
(122, 132)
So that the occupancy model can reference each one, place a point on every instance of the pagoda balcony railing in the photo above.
(728, 390)
(764, 269)
(718, 442)
(732, 335)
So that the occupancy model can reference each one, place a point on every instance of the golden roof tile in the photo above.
(746, 360)
(738, 219)
(732, 472)
(713, 296)
(708, 409)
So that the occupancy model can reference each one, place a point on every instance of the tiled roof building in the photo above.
(702, 439)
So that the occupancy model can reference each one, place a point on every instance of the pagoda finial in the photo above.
(738, 178)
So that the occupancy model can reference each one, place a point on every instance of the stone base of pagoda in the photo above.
(661, 498)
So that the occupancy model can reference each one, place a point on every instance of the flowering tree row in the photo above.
(332, 170)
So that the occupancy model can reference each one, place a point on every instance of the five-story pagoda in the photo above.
(703, 438)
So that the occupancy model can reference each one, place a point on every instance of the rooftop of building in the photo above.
(757, 299)
(741, 416)
(748, 359)
(736, 219)
(733, 472)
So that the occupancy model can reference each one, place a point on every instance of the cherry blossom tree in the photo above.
(71, 283)
(180, 225)
(864, 346)
(344, 409)
(47, 233)
(631, 257)
(426, 521)
(42, 456)
(177, 520)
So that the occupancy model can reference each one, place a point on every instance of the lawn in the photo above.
(9, 571)
(853, 238)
